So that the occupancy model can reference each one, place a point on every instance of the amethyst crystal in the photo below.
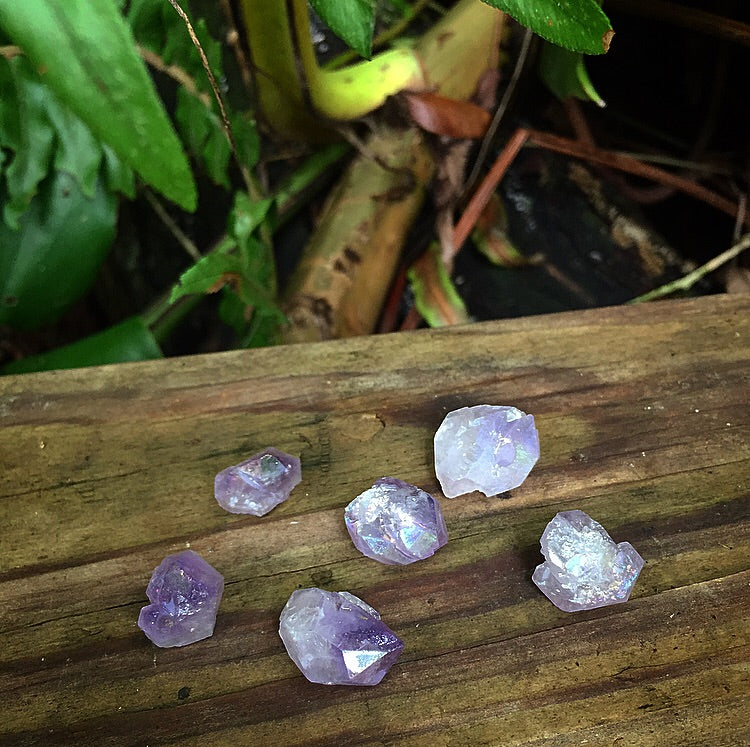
(395, 522)
(336, 639)
(487, 448)
(584, 569)
(184, 592)
(258, 484)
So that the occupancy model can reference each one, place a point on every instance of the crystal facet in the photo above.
(584, 569)
(258, 484)
(184, 592)
(395, 522)
(337, 639)
(489, 448)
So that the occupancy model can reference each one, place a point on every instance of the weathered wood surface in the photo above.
(644, 421)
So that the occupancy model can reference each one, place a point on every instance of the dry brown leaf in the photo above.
(443, 116)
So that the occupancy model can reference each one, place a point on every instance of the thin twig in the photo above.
(688, 281)
(175, 72)
(233, 39)
(632, 166)
(499, 112)
(252, 189)
(484, 192)
(183, 240)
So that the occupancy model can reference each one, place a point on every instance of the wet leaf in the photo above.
(444, 116)
(578, 25)
(352, 21)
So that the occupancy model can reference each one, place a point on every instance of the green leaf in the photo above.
(208, 275)
(564, 73)
(352, 21)
(578, 25)
(204, 136)
(53, 258)
(25, 128)
(90, 61)
(130, 340)
(247, 215)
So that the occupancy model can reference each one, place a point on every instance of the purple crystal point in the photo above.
(337, 639)
(395, 522)
(486, 448)
(584, 569)
(258, 484)
(184, 592)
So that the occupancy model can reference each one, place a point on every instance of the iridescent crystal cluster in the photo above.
(489, 448)
(337, 639)
(258, 484)
(184, 592)
(584, 569)
(395, 522)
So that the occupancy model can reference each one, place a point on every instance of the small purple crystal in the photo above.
(258, 484)
(487, 448)
(184, 592)
(337, 639)
(395, 522)
(584, 569)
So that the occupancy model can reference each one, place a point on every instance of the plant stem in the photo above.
(688, 281)
(162, 316)
(359, 89)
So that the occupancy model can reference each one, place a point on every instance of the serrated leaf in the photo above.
(578, 25)
(130, 340)
(53, 258)
(564, 73)
(208, 275)
(352, 21)
(90, 61)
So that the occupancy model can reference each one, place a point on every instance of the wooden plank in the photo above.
(644, 421)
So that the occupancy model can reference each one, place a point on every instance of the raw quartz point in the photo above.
(489, 448)
(337, 639)
(184, 592)
(258, 484)
(584, 569)
(395, 522)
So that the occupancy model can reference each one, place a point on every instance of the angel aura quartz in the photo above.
(584, 569)
(395, 522)
(489, 448)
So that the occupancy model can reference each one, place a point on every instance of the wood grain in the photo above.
(644, 422)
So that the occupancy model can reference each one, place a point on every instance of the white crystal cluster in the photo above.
(584, 569)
